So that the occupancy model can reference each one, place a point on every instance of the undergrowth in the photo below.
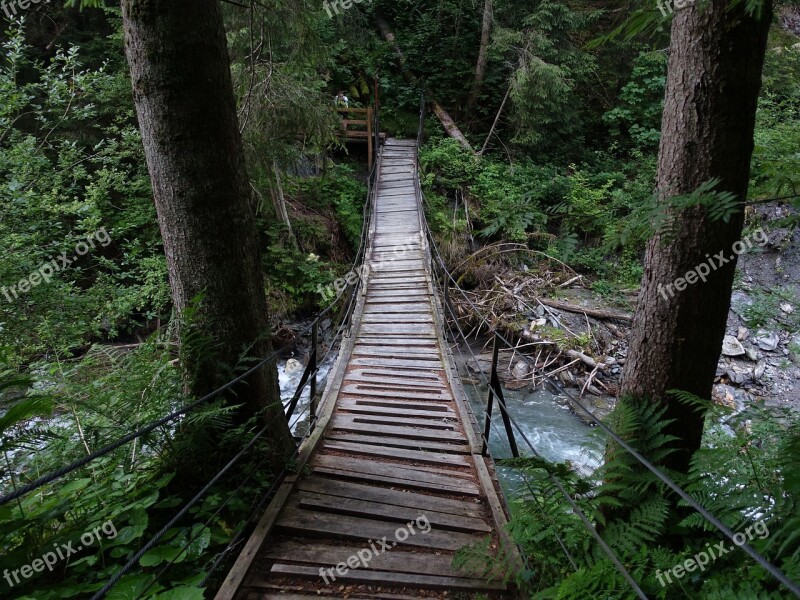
(746, 474)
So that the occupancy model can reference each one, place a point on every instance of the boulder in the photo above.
(732, 347)
(767, 340)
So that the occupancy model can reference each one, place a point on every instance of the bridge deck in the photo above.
(394, 483)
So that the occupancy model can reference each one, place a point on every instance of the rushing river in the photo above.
(289, 374)
(545, 418)
(553, 430)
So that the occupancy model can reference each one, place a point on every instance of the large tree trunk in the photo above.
(483, 54)
(716, 57)
(180, 68)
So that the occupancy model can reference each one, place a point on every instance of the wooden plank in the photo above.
(409, 477)
(439, 423)
(394, 277)
(399, 327)
(448, 475)
(399, 442)
(416, 345)
(306, 522)
(385, 578)
(348, 423)
(327, 555)
(389, 403)
(392, 384)
(437, 486)
(412, 375)
(364, 391)
(398, 362)
(367, 409)
(378, 510)
(281, 594)
(420, 502)
(438, 458)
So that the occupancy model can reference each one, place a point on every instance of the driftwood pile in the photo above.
(512, 292)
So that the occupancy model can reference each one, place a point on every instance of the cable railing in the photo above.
(445, 284)
(309, 379)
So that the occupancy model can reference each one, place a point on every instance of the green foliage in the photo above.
(775, 164)
(508, 206)
(661, 216)
(586, 209)
(764, 308)
(641, 102)
(549, 66)
(746, 474)
(72, 164)
(128, 494)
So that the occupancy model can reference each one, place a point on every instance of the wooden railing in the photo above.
(360, 129)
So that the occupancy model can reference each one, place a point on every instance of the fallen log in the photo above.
(597, 313)
(450, 127)
(585, 359)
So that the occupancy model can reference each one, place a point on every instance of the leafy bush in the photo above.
(641, 102)
(746, 472)
(72, 163)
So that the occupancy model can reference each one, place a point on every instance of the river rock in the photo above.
(566, 377)
(758, 371)
(767, 340)
(538, 323)
(734, 377)
(751, 354)
(742, 334)
(732, 347)
(520, 369)
(293, 366)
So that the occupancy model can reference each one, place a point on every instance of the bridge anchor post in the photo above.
(312, 363)
(496, 390)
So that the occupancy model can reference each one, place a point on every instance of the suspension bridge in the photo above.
(396, 453)
(392, 477)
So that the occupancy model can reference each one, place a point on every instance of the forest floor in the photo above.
(761, 354)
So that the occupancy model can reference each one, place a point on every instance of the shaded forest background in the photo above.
(571, 132)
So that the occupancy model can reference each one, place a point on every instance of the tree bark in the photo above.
(180, 69)
(279, 201)
(714, 76)
(450, 126)
(483, 54)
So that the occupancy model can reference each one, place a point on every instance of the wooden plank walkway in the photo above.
(392, 482)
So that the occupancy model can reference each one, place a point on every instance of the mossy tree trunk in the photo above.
(715, 61)
(180, 69)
